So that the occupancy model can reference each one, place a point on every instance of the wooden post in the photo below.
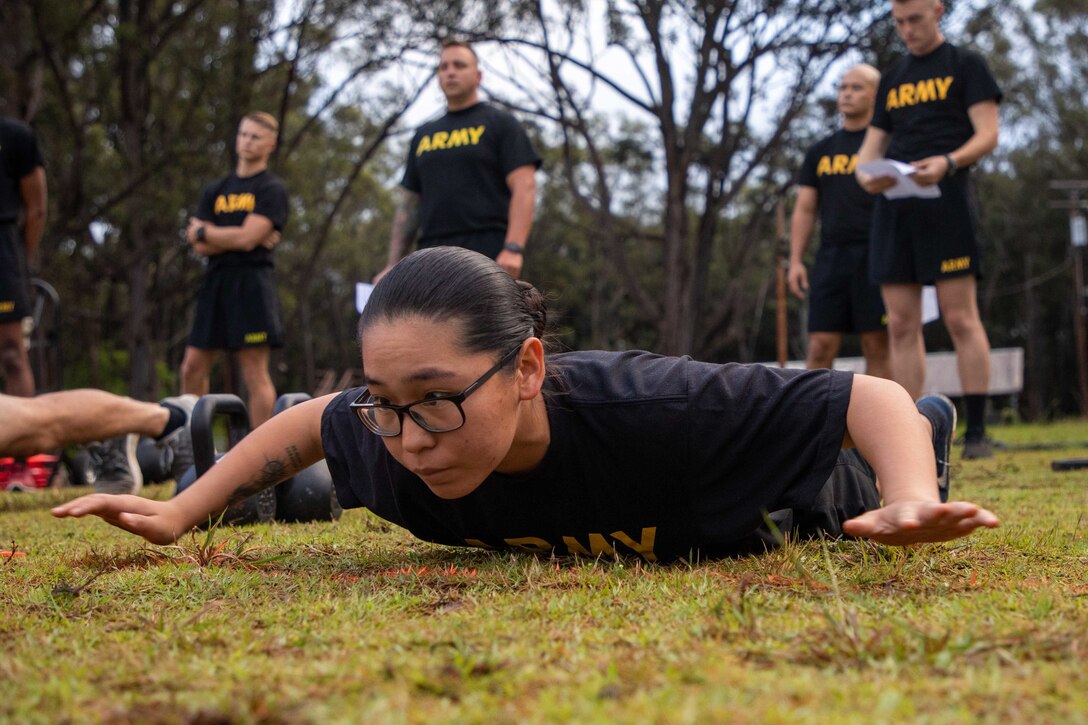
(1080, 327)
(1078, 243)
(782, 329)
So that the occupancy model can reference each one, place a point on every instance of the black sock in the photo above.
(177, 419)
(976, 415)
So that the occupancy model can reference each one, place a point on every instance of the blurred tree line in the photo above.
(671, 132)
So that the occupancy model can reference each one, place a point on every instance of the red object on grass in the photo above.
(26, 475)
(7, 554)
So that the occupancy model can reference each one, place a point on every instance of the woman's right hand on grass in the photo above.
(160, 522)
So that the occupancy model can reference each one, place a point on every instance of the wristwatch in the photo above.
(951, 165)
(514, 247)
(200, 231)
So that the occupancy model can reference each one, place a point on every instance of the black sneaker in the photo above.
(976, 448)
(114, 468)
(941, 413)
(180, 442)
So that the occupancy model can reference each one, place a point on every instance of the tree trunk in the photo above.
(676, 332)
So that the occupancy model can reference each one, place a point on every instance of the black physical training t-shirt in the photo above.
(661, 457)
(458, 165)
(19, 155)
(845, 208)
(923, 101)
(226, 203)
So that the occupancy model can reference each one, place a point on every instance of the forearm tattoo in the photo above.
(296, 459)
(405, 225)
(272, 472)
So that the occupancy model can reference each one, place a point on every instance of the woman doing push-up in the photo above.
(467, 434)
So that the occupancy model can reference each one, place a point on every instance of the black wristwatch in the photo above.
(514, 247)
(200, 232)
(951, 165)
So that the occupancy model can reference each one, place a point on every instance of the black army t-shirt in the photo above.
(19, 155)
(654, 456)
(845, 208)
(226, 203)
(458, 164)
(923, 101)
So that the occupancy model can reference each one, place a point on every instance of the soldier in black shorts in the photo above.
(937, 108)
(22, 203)
(842, 298)
(470, 177)
(237, 224)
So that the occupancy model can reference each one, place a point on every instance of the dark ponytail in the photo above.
(537, 307)
(452, 284)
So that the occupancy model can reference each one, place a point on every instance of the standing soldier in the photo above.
(22, 200)
(842, 298)
(470, 178)
(937, 108)
(237, 224)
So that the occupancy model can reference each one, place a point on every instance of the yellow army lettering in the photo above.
(957, 264)
(256, 338)
(7, 306)
(228, 203)
(450, 139)
(838, 165)
(911, 94)
(598, 544)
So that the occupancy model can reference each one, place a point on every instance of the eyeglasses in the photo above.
(436, 414)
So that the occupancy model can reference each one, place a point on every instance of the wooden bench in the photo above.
(1006, 371)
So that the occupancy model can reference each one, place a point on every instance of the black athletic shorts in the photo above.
(849, 492)
(237, 307)
(488, 244)
(919, 241)
(841, 298)
(14, 282)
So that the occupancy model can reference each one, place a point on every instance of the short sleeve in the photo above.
(411, 170)
(807, 175)
(980, 84)
(205, 210)
(773, 434)
(516, 150)
(25, 154)
(338, 448)
(881, 118)
(272, 203)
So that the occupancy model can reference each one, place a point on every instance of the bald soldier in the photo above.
(936, 108)
(842, 298)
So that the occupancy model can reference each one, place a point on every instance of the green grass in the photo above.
(358, 622)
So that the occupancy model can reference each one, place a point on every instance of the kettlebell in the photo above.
(258, 508)
(154, 460)
(309, 495)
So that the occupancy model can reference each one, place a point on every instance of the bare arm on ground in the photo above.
(286, 444)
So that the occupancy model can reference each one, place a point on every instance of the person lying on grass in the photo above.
(466, 434)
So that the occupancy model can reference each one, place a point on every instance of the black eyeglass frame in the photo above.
(457, 399)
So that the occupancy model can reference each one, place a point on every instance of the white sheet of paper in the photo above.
(362, 294)
(905, 187)
(930, 309)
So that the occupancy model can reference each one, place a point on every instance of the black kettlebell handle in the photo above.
(287, 400)
(204, 413)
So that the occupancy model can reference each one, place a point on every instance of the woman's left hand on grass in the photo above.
(913, 522)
